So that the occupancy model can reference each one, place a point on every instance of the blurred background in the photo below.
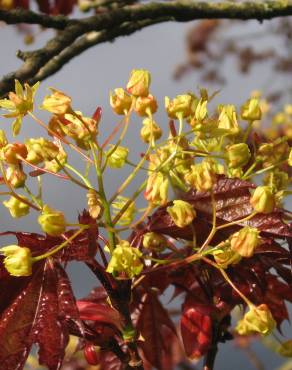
(234, 57)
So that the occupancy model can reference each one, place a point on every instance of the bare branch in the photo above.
(121, 21)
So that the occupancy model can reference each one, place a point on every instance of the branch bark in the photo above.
(75, 35)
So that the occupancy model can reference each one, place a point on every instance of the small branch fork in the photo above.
(77, 35)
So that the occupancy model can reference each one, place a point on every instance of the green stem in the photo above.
(105, 203)
(83, 178)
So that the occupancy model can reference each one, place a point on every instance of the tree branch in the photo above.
(116, 22)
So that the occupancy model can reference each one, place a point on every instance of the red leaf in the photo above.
(35, 315)
(156, 328)
(196, 328)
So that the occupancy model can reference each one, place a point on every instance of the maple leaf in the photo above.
(157, 331)
(36, 314)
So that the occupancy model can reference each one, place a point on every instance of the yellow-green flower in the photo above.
(251, 110)
(146, 105)
(40, 150)
(227, 120)
(120, 101)
(182, 213)
(225, 256)
(16, 207)
(57, 103)
(15, 176)
(94, 203)
(125, 261)
(18, 260)
(52, 221)
(245, 241)
(257, 320)
(202, 176)
(263, 199)
(150, 129)
(157, 188)
(237, 155)
(139, 82)
(180, 106)
(19, 103)
(118, 157)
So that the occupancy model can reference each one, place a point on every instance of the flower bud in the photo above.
(238, 155)
(129, 214)
(150, 129)
(40, 150)
(120, 101)
(225, 257)
(117, 158)
(94, 203)
(245, 241)
(201, 110)
(181, 105)
(257, 320)
(3, 139)
(146, 105)
(154, 242)
(57, 102)
(55, 126)
(16, 207)
(55, 166)
(80, 128)
(227, 119)
(263, 199)
(290, 158)
(18, 260)
(52, 221)
(11, 152)
(181, 213)
(157, 188)
(201, 176)
(125, 261)
(272, 153)
(251, 110)
(139, 82)
(15, 176)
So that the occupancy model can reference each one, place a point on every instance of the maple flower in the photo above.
(18, 260)
(56, 164)
(272, 153)
(118, 157)
(57, 103)
(228, 120)
(181, 105)
(245, 241)
(201, 110)
(15, 176)
(225, 256)
(95, 207)
(19, 103)
(129, 214)
(263, 199)
(16, 207)
(52, 221)
(125, 260)
(157, 188)
(146, 105)
(139, 82)
(257, 320)
(120, 101)
(11, 152)
(202, 176)
(238, 155)
(150, 129)
(40, 150)
(251, 110)
(154, 242)
(3, 139)
(181, 213)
